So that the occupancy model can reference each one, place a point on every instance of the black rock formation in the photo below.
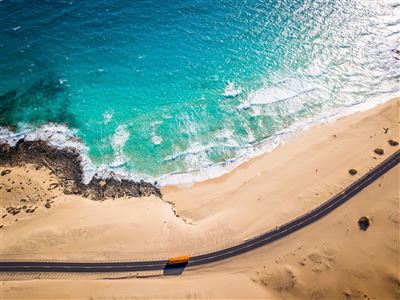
(66, 165)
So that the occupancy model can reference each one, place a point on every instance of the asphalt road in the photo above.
(247, 245)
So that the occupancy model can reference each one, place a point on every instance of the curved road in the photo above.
(247, 245)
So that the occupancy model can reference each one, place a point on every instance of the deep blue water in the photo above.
(141, 82)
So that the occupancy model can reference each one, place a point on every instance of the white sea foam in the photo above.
(156, 140)
(226, 137)
(107, 116)
(253, 150)
(58, 136)
(231, 90)
(195, 157)
(193, 149)
(250, 135)
(335, 65)
(119, 139)
(290, 89)
(10, 137)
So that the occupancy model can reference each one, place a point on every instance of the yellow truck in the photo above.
(182, 259)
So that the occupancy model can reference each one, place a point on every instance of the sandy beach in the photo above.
(329, 259)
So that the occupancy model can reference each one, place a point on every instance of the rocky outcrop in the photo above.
(379, 151)
(353, 172)
(364, 223)
(66, 165)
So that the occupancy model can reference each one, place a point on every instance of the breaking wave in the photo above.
(199, 167)
(136, 114)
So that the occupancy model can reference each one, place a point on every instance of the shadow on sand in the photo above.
(174, 269)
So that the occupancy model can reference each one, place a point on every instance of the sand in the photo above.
(329, 259)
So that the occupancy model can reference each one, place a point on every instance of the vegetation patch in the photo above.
(5, 172)
(393, 143)
(353, 172)
(379, 151)
(364, 223)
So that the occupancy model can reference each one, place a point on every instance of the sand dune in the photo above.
(330, 259)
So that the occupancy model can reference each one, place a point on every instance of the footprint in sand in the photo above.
(281, 280)
(321, 262)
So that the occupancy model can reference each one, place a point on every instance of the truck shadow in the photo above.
(174, 269)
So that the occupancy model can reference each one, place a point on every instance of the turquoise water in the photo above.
(141, 83)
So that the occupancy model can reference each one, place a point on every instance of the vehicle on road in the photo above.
(183, 259)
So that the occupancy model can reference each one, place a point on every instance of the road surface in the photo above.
(247, 245)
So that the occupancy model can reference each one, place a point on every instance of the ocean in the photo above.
(142, 87)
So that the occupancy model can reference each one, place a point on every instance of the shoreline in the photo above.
(269, 190)
(66, 164)
(88, 176)
(259, 195)
(271, 143)
(299, 174)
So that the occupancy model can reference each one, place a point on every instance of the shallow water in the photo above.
(141, 83)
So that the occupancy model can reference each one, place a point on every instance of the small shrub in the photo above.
(364, 223)
(353, 172)
(5, 172)
(379, 151)
(393, 143)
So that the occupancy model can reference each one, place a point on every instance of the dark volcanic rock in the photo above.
(353, 172)
(110, 188)
(5, 172)
(364, 223)
(5, 148)
(379, 151)
(66, 165)
(396, 54)
(13, 210)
